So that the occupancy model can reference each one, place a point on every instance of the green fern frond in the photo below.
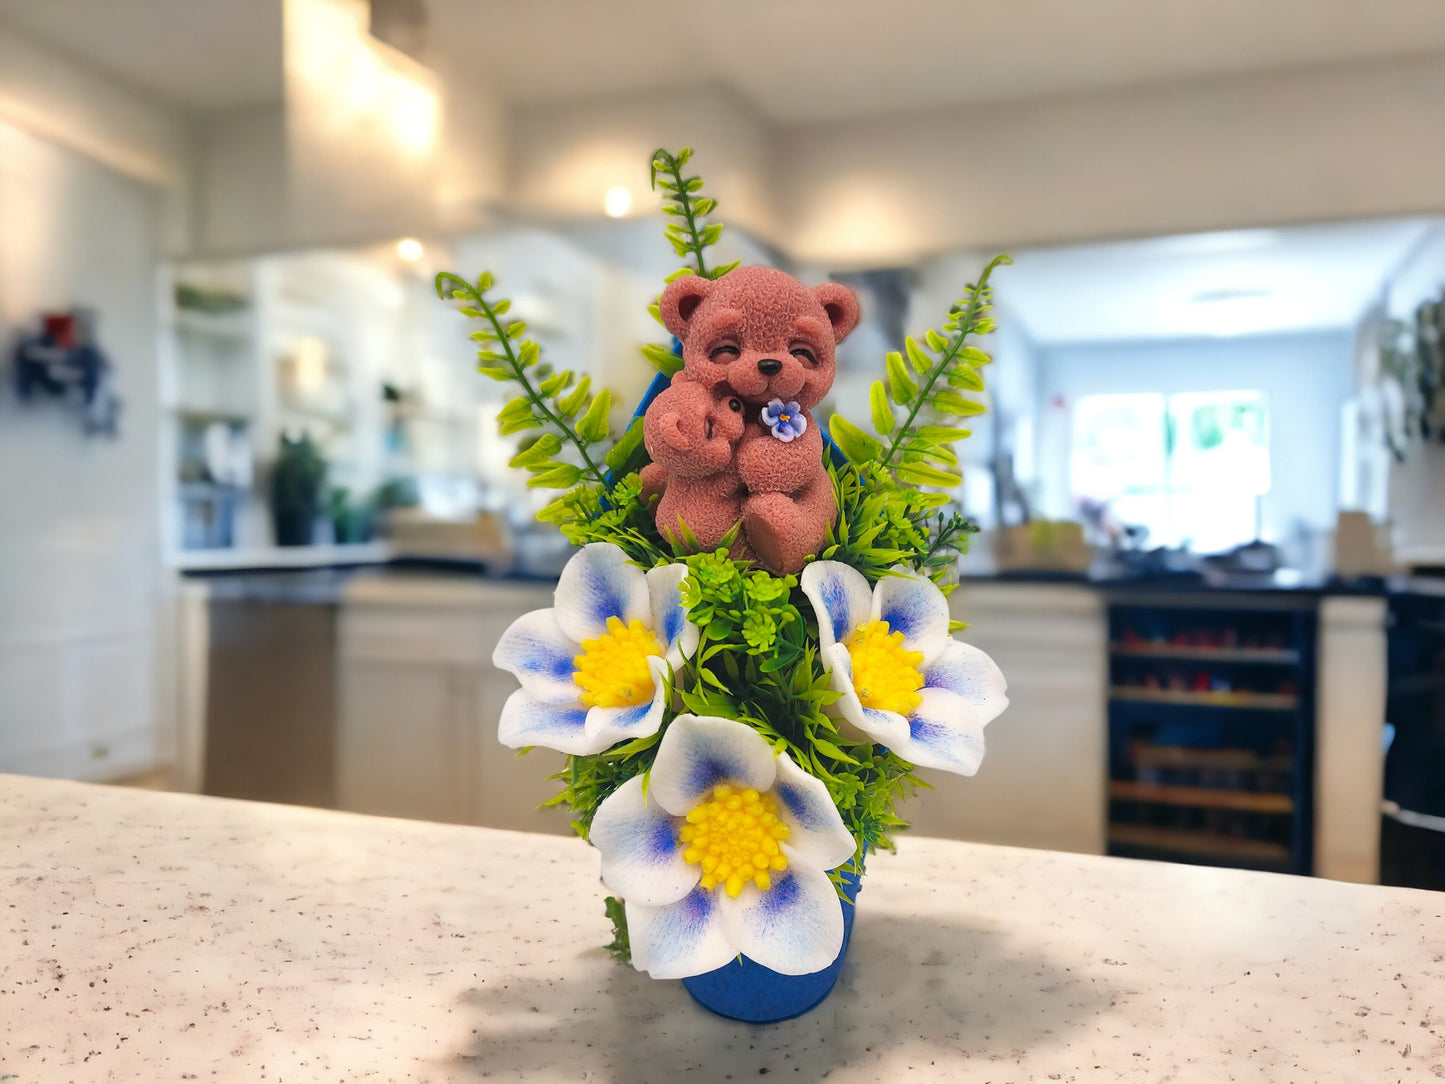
(548, 400)
(683, 201)
(687, 232)
(928, 390)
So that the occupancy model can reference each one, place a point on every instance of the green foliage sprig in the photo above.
(551, 401)
(882, 524)
(944, 366)
(687, 232)
(588, 513)
(683, 200)
(620, 946)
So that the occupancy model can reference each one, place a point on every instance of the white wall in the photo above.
(73, 106)
(1307, 378)
(80, 587)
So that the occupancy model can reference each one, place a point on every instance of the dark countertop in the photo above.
(1285, 581)
(324, 586)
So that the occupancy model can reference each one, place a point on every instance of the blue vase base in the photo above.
(748, 991)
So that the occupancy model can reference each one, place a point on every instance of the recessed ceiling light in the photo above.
(617, 202)
(1230, 293)
(409, 249)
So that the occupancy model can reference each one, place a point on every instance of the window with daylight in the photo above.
(1189, 467)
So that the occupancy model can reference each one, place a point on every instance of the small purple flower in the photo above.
(786, 420)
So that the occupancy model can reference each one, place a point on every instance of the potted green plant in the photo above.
(350, 520)
(296, 488)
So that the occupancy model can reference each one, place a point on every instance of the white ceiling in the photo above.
(196, 54)
(1239, 282)
(794, 60)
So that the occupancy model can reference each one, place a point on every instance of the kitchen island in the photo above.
(148, 936)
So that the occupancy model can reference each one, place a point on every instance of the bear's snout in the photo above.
(767, 378)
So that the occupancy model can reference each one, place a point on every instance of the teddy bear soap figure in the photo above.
(733, 440)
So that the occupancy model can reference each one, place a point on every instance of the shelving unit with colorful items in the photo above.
(1211, 729)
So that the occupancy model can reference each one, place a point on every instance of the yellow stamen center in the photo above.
(612, 669)
(734, 836)
(885, 673)
(785, 418)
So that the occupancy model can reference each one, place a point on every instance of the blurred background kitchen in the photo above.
(257, 536)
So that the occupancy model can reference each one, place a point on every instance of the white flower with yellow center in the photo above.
(727, 853)
(594, 667)
(905, 682)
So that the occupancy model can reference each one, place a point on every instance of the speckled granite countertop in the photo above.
(154, 937)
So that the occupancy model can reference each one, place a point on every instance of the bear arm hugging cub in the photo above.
(733, 438)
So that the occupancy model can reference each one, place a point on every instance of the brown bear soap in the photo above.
(734, 439)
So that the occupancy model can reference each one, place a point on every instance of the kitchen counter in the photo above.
(148, 936)
(413, 641)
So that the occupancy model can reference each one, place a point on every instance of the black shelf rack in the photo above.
(1211, 729)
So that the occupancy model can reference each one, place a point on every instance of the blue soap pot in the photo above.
(743, 990)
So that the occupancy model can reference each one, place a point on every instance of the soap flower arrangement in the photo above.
(741, 721)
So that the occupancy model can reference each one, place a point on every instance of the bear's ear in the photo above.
(680, 300)
(841, 306)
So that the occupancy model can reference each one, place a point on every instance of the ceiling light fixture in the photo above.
(617, 202)
(409, 249)
(1230, 293)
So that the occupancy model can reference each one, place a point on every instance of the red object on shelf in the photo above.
(60, 329)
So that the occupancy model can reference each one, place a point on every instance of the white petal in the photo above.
(965, 670)
(806, 807)
(596, 584)
(641, 858)
(698, 751)
(945, 732)
(669, 617)
(528, 721)
(885, 727)
(540, 654)
(840, 597)
(681, 939)
(608, 726)
(795, 927)
(913, 605)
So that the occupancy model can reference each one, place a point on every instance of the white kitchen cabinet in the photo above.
(420, 700)
(1043, 777)
(405, 748)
